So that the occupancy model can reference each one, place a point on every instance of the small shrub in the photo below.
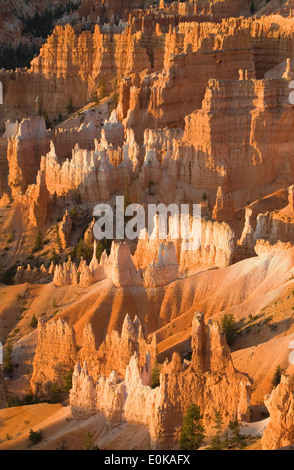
(7, 360)
(62, 445)
(13, 402)
(35, 437)
(55, 395)
(88, 442)
(155, 376)
(229, 328)
(8, 276)
(67, 386)
(34, 322)
(29, 399)
(10, 238)
(74, 212)
(277, 377)
(39, 242)
(235, 428)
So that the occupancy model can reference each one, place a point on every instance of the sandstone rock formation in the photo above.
(117, 349)
(88, 171)
(269, 228)
(280, 404)
(55, 356)
(119, 267)
(64, 229)
(24, 151)
(91, 61)
(33, 275)
(37, 199)
(165, 270)
(179, 103)
(65, 274)
(57, 352)
(210, 372)
(219, 158)
(224, 206)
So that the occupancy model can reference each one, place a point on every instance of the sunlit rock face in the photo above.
(52, 363)
(183, 103)
(26, 144)
(132, 399)
(280, 404)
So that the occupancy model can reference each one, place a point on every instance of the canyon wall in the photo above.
(239, 144)
(187, 54)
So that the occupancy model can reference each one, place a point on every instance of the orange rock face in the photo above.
(55, 355)
(184, 103)
(280, 404)
(52, 363)
(117, 349)
(162, 409)
(24, 151)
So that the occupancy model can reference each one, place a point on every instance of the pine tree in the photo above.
(55, 395)
(34, 322)
(99, 250)
(216, 443)
(102, 87)
(277, 377)
(7, 360)
(74, 212)
(80, 252)
(39, 242)
(88, 249)
(67, 382)
(235, 428)
(58, 239)
(193, 430)
(155, 375)
(54, 256)
(229, 328)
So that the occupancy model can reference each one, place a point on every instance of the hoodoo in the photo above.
(146, 226)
